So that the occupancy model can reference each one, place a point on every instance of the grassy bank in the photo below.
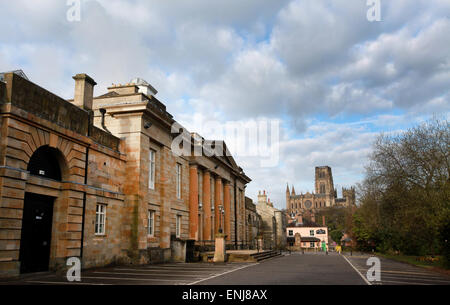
(416, 261)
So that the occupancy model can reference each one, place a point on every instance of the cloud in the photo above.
(318, 66)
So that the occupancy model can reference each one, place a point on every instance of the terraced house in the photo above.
(96, 178)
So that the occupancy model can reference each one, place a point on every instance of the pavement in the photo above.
(398, 273)
(164, 274)
(289, 269)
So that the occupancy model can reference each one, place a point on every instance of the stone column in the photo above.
(227, 207)
(193, 202)
(217, 203)
(207, 205)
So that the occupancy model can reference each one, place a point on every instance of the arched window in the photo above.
(44, 162)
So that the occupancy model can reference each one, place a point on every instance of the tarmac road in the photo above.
(294, 269)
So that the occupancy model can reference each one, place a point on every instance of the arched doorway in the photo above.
(37, 217)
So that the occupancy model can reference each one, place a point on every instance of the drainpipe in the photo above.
(86, 170)
(235, 213)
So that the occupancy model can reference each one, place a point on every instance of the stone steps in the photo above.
(265, 255)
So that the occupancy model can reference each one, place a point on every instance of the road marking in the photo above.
(413, 273)
(143, 274)
(226, 272)
(415, 279)
(186, 269)
(365, 280)
(150, 270)
(407, 283)
(127, 279)
(66, 283)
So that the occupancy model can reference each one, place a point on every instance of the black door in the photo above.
(36, 233)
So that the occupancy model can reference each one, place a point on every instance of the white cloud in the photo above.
(303, 62)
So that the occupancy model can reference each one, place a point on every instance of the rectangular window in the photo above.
(311, 245)
(178, 181)
(291, 233)
(151, 224)
(152, 168)
(178, 226)
(311, 232)
(100, 219)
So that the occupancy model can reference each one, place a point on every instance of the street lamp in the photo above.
(222, 211)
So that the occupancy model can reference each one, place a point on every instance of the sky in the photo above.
(332, 79)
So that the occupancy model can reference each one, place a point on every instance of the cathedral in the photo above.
(325, 195)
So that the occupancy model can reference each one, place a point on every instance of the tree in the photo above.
(405, 196)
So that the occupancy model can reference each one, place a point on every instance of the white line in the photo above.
(66, 283)
(127, 279)
(220, 274)
(365, 280)
(143, 274)
(156, 270)
(409, 283)
(416, 279)
(186, 269)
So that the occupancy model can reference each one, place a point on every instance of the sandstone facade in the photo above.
(117, 191)
(273, 226)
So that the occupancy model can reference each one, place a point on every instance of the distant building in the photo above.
(306, 235)
(273, 227)
(325, 195)
(253, 225)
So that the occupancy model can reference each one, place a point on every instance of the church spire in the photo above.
(287, 188)
(293, 191)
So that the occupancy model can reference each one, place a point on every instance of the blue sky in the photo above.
(332, 78)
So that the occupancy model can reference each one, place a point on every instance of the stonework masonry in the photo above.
(117, 191)
(325, 195)
(273, 223)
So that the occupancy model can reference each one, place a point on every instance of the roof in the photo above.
(310, 239)
(304, 239)
(306, 224)
(18, 72)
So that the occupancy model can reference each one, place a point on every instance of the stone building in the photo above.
(306, 235)
(273, 227)
(325, 195)
(254, 222)
(97, 178)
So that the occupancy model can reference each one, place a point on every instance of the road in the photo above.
(290, 269)
(398, 273)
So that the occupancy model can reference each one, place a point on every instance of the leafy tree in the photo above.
(404, 200)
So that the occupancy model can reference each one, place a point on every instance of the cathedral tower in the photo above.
(324, 185)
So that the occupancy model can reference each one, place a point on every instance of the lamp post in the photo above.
(222, 212)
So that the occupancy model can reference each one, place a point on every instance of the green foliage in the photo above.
(336, 235)
(405, 197)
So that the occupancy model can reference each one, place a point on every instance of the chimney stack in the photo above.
(313, 217)
(300, 219)
(323, 220)
(84, 91)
